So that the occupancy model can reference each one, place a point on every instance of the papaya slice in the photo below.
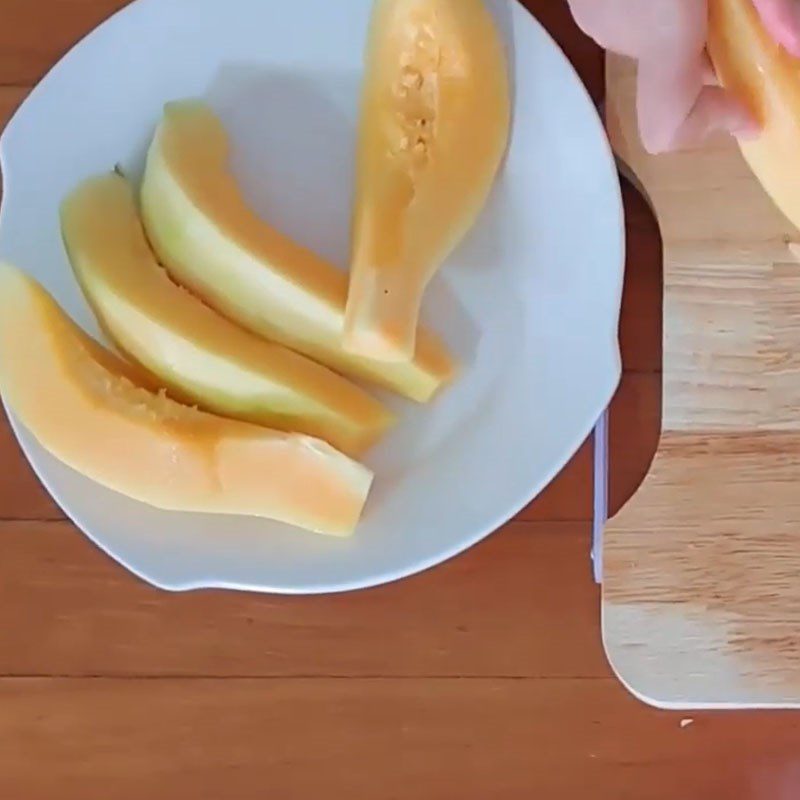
(766, 78)
(200, 356)
(435, 118)
(210, 241)
(79, 400)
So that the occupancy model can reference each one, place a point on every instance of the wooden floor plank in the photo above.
(21, 494)
(425, 739)
(11, 98)
(33, 36)
(67, 609)
(641, 318)
(89, 616)
(521, 605)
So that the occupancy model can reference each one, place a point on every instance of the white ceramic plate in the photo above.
(530, 302)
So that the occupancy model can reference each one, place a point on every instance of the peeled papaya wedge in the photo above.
(210, 241)
(80, 401)
(766, 78)
(435, 116)
(199, 355)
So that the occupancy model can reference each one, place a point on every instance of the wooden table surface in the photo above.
(483, 678)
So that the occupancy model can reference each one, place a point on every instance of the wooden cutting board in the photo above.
(701, 569)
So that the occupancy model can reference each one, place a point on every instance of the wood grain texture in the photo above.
(34, 36)
(438, 723)
(700, 599)
(425, 739)
(10, 99)
(487, 613)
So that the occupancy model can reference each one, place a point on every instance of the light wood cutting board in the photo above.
(701, 569)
